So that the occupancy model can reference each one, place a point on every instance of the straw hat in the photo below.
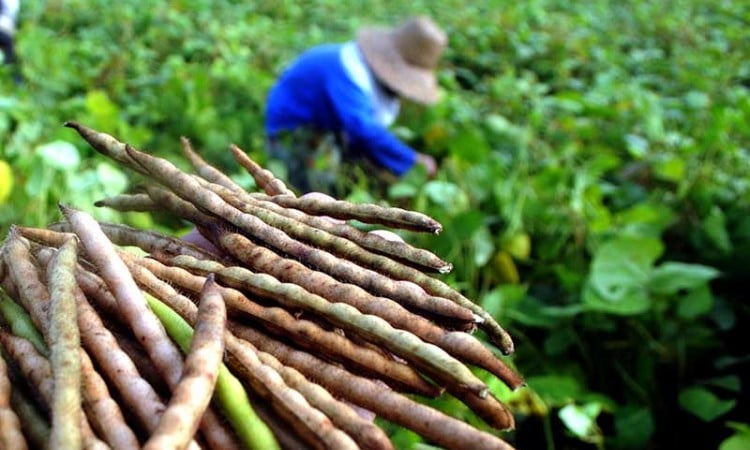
(405, 58)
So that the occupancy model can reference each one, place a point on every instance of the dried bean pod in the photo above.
(427, 357)
(207, 171)
(365, 433)
(187, 187)
(128, 202)
(367, 213)
(306, 333)
(434, 425)
(11, 436)
(265, 179)
(64, 341)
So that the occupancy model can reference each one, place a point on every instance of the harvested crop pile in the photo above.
(289, 330)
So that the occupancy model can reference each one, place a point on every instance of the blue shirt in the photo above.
(319, 92)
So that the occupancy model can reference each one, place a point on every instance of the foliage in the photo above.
(593, 184)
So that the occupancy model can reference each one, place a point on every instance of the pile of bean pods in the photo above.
(280, 323)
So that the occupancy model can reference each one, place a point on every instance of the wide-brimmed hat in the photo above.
(405, 58)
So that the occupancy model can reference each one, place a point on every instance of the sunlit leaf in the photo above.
(620, 273)
(60, 155)
(581, 421)
(483, 247)
(636, 145)
(671, 277)
(469, 145)
(112, 179)
(672, 168)
(447, 195)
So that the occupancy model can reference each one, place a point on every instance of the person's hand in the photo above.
(428, 162)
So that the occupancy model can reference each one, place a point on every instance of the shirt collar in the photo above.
(386, 106)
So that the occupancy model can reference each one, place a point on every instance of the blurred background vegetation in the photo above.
(593, 186)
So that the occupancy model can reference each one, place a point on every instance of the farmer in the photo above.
(331, 109)
(8, 18)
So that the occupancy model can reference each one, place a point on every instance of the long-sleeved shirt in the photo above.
(8, 16)
(331, 89)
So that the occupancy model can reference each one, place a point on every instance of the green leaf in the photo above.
(61, 155)
(622, 264)
(581, 421)
(447, 195)
(504, 296)
(714, 225)
(104, 113)
(401, 190)
(632, 302)
(704, 404)
(697, 100)
(634, 425)
(560, 341)
(112, 179)
(470, 145)
(637, 145)
(696, 303)
(483, 245)
(619, 275)
(644, 219)
(673, 168)
(738, 441)
(671, 277)
(729, 382)
(556, 390)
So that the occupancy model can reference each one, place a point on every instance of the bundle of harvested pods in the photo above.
(290, 328)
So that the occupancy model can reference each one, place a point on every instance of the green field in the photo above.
(594, 180)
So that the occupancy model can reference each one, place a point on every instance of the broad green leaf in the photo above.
(623, 263)
(738, 441)
(697, 100)
(704, 404)
(504, 296)
(60, 155)
(581, 421)
(484, 247)
(619, 275)
(671, 277)
(446, 194)
(104, 113)
(672, 168)
(556, 390)
(631, 302)
(697, 302)
(644, 219)
(470, 145)
(636, 145)
(634, 425)
(112, 179)
(465, 225)
(401, 190)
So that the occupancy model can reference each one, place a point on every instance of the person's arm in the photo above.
(355, 111)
